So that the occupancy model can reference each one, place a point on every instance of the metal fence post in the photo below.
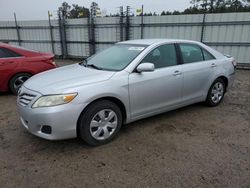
(121, 23)
(203, 27)
(51, 34)
(62, 35)
(142, 22)
(17, 31)
(91, 27)
(127, 36)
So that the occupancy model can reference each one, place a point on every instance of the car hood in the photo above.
(61, 80)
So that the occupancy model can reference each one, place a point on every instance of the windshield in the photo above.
(116, 57)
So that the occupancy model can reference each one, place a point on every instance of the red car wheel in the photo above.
(17, 81)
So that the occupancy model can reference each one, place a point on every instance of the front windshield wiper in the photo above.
(93, 66)
(85, 64)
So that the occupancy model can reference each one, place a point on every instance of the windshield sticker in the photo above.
(136, 48)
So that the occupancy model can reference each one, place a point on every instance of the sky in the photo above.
(37, 9)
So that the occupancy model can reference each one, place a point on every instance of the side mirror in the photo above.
(145, 67)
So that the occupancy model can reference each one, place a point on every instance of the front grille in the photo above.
(25, 98)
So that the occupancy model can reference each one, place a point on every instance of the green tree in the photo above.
(148, 14)
(219, 5)
(74, 11)
(176, 12)
(239, 4)
(205, 5)
(94, 8)
(64, 9)
(192, 10)
(163, 13)
(78, 12)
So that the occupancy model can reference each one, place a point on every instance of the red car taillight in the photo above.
(51, 61)
(54, 63)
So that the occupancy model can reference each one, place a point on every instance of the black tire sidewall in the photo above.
(209, 100)
(12, 81)
(88, 114)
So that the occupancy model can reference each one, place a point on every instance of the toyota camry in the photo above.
(129, 81)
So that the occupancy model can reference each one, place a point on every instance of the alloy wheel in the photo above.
(217, 92)
(18, 82)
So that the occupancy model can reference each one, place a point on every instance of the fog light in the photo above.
(46, 129)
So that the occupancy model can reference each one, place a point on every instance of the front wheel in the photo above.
(216, 93)
(100, 123)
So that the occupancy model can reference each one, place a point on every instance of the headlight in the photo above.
(54, 100)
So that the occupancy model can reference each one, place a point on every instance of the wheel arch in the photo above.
(225, 80)
(115, 100)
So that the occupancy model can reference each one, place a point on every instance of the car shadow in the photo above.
(5, 94)
(148, 121)
(77, 144)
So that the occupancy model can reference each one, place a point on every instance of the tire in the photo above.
(216, 93)
(17, 81)
(94, 126)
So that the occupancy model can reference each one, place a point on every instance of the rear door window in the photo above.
(207, 55)
(191, 53)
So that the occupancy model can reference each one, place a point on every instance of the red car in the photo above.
(18, 64)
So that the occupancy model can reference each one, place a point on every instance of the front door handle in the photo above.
(213, 65)
(176, 73)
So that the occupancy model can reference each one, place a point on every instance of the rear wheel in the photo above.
(17, 81)
(216, 93)
(100, 123)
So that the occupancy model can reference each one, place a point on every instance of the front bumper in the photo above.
(62, 119)
(231, 79)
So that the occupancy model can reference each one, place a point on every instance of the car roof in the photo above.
(155, 41)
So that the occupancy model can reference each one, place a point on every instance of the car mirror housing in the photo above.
(145, 67)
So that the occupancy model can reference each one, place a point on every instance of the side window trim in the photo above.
(202, 51)
(179, 54)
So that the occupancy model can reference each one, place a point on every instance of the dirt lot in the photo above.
(195, 146)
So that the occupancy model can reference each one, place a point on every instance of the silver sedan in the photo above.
(126, 82)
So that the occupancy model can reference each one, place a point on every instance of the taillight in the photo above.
(54, 63)
(51, 61)
(234, 63)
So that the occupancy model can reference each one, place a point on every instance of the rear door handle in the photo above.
(213, 65)
(176, 73)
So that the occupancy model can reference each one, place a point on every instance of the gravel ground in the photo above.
(195, 146)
